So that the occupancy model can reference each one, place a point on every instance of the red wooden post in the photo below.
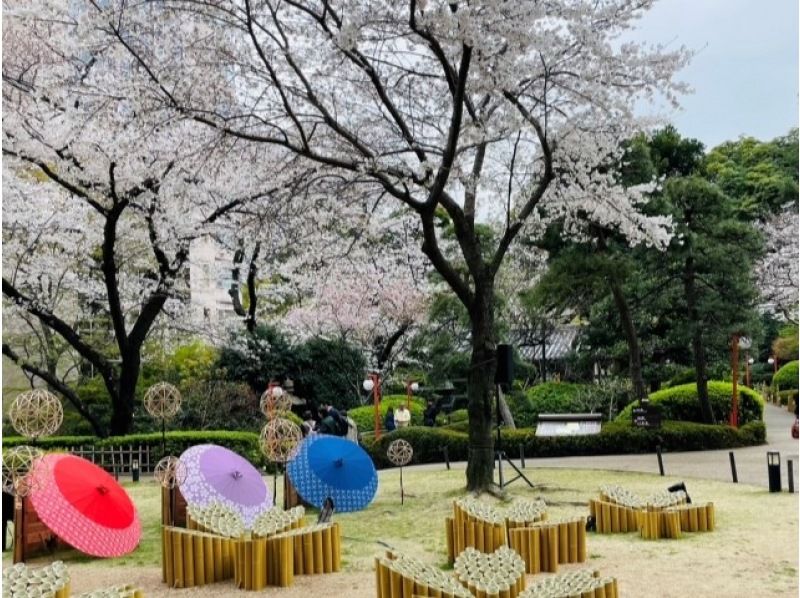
(734, 419)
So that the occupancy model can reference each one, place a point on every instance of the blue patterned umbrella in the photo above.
(332, 466)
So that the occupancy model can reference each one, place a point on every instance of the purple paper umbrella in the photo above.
(215, 473)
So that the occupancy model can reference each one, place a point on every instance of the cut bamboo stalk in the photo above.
(563, 543)
(199, 561)
(216, 547)
(572, 541)
(327, 550)
(378, 590)
(535, 548)
(702, 518)
(316, 537)
(336, 538)
(188, 560)
(176, 548)
(710, 516)
(449, 525)
(693, 525)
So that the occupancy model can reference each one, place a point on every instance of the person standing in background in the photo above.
(402, 416)
(388, 421)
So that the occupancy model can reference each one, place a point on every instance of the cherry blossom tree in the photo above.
(102, 198)
(457, 110)
(373, 296)
(777, 271)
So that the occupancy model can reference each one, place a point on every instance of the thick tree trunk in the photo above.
(480, 469)
(698, 348)
(634, 350)
(123, 393)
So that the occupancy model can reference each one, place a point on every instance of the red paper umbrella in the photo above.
(86, 507)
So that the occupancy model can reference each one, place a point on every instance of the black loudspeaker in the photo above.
(504, 374)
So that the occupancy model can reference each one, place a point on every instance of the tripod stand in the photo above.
(500, 455)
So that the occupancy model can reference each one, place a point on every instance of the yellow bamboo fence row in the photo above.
(613, 518)
(652, 522)
(193, 558)
(670, 522)
(546, 545)
(316, 549)
(401, 576)
(574, 584)
(655, 524)
(275, 560)
(474, 525)
(500, 574)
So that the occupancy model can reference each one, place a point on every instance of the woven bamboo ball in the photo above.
(275, 402)
(22, 473)
(36, 413)
(400, 452)
(280, 439)
(162, 401)
(170, 472)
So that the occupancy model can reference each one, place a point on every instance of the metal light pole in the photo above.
(411, 387)
(373, 383)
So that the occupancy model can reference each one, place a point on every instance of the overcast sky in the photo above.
(745, 73)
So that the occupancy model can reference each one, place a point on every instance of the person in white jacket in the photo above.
(402, 416)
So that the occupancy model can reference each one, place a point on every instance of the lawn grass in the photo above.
(756, 535)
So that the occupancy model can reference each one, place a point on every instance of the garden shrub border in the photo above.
(614, 438)
(243, 443)
(681, 403)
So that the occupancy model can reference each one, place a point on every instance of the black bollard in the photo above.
(522, 455)
(790, 471)
(733, 468)
(446, 457)
(660, 461)
(774, 470)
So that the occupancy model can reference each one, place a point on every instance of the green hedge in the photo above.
(365, 416)
(680, 403)
(244, 443)
(786, 377)
(614, 438)
(548, 397)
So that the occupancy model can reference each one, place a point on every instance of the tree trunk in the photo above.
(698, 349)
(123, 393)
(480, 469)
(634, 350)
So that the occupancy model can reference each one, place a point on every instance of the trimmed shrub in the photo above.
(329, 371)
(548, 397)
(614, 438)
(786, 377)
(365, 416)
(680, 403)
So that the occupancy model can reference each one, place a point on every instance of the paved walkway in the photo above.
(751, 462)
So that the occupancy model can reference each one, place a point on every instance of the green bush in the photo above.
(459, 415)
(365, 416)
(244, 443)
(680, 403)
(786, 377)
(329, 371)
(548, 397)
(614, 438)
